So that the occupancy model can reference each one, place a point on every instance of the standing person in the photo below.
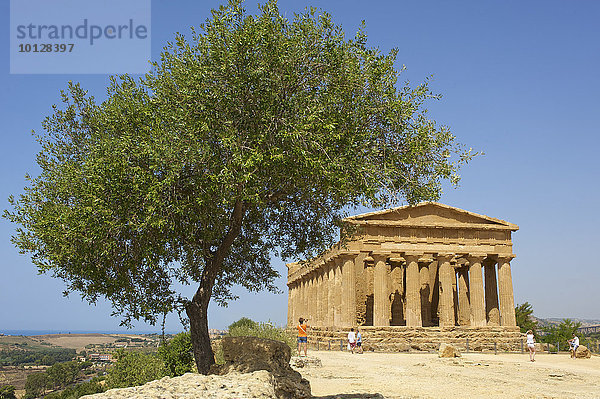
(302, 335)
(359, 341)
(351, 340)
(531, 345)
(574, 342)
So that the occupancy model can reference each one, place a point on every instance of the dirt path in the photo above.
(475, 375)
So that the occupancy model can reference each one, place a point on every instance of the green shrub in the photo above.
(560, 333)
(244, 322)
(177, 354)
(61, 375)
(135, 368)
(249, 328)
(46, 356)
(79, 390)
(263, 330)
(35, 385)
(7, 392)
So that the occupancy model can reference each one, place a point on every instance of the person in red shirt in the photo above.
(302, 335)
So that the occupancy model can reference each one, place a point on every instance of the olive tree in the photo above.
(252, 138)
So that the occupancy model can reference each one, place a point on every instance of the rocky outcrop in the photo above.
(448, 351)
(583, 352)
(249, 354)
(259, 384)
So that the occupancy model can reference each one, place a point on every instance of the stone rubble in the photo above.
(309, 361)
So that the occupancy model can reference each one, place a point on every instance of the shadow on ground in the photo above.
(352, 396)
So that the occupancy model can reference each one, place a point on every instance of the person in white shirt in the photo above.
(351, 340)
(574, 342)
(531, 345)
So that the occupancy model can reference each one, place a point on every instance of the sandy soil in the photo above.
(474, 375)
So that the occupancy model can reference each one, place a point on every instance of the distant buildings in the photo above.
(102, 357)
(214, 333)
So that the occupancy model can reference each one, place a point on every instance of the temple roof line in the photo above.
(364, 218)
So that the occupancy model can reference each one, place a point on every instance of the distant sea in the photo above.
(45, 332)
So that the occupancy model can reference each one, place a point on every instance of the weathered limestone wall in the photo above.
(403, 339)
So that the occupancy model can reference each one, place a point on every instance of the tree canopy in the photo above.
(250, 138)
(524, 317)
(560, 333)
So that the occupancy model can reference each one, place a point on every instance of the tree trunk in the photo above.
(203, 353)
(197, 308)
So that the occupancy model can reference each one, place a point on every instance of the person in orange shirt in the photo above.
(302, 335)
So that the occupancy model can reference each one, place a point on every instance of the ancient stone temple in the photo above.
(430, 267)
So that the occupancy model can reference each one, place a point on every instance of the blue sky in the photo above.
(520, 82)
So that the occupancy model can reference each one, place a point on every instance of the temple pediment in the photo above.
(430, 214)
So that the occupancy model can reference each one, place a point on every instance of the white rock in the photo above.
(258, 384)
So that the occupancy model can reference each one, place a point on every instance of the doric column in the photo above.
(478, 318)
(330, 293)
(425, 293)
(454, 292)
(300, 302)
(311, 298)
(325, 295)
(307, 299)
(446, 301)
(464, 305)
(349, 289)
(337, 317)
(302, 308)
(491, 293)
(413, 291)
(507, 301)
(296, 302)
(434, 295)
(381, 302)
(319, 297)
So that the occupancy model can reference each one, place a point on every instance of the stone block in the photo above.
(447, 350)
(249, 354)
(583, 352)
